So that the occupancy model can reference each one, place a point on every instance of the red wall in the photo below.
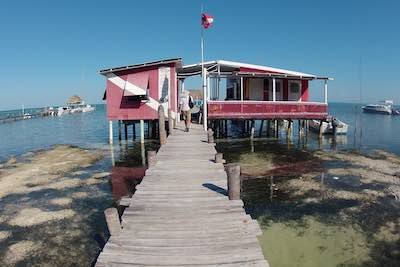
(304, 90)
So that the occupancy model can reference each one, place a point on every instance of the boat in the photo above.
(75, 104)
(329, 126)
(386, 107)
(25, 115)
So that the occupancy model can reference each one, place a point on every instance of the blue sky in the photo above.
(50, 50)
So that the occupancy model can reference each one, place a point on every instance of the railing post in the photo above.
(151, 158)
(170, 121)
(161, 125)
(210, 135)
(219, 158)
(233, 173)
(326, 92)
(113, 223)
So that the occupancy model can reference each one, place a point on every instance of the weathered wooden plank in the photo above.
(180, 215)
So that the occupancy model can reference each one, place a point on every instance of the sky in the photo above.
(50, 50)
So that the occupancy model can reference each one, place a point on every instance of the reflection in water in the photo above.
(124, 180)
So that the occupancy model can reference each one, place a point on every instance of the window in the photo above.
(278, 90)
(294, 91)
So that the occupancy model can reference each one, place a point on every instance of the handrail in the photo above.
(263, 102)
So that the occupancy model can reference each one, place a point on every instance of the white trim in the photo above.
(121, 83)
(252, 66)
(326, 92)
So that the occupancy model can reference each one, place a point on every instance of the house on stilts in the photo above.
(233, 91)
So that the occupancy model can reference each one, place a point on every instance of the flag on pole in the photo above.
(206, 20)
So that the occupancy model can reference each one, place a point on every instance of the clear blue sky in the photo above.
(50, 50)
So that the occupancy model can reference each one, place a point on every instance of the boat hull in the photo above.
(377, 111)
(327, 127)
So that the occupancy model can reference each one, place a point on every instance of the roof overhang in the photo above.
(224, 67)
(176, 61)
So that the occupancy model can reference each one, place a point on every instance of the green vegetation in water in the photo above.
(321, 208)
(313, 244)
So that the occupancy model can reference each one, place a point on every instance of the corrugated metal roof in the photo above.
(177, 61)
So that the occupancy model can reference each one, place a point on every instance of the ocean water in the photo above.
(366, 131)
(296, 233)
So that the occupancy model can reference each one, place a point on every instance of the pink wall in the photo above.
(120, 107)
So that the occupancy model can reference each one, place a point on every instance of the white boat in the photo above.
(63, 110)
(328, 127)
(385, 108)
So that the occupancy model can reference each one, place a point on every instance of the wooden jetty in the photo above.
(180, 214)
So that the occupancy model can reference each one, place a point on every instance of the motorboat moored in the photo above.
(384, 108)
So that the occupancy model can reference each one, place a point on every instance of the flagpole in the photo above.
(203, 76)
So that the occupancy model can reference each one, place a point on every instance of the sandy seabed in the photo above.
(51, 204)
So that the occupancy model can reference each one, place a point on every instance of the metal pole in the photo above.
(326, 92)
(241, 88)
(204, 81)
(273, 89)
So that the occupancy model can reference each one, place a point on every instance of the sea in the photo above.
(294, 235)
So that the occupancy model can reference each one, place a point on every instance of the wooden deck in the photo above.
(180, 214)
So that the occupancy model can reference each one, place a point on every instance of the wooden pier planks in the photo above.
(180, 214)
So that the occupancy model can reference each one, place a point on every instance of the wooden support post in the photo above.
(151, 158)
(161, 125)
(289, 129)
(276, 129)
(268, 128)
(252, 129)
(219, 158)
(226, 129)
(113, 223)
(133, 130)
(170, 121)
(301, 128)
(210, 135)
(110, 129)
(142, 131)
(320, 130)
(119, 130)
(233, 173)
(148, 129)
(261, 128)
(126, 131)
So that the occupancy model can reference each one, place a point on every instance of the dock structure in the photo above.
(180, 214)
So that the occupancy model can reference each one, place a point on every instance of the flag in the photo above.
(206, 20)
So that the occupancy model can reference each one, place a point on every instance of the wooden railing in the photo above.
(266, 110)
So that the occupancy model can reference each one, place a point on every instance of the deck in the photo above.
(266, 110)
(180, 214)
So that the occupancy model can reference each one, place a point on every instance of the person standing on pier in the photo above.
(186, 104)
